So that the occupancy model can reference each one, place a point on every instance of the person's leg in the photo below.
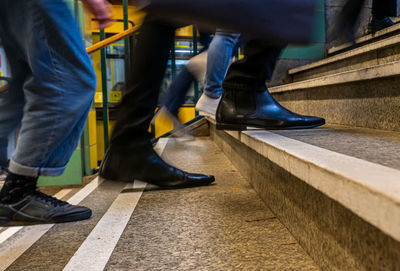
(130, 155)
(177, 92)
(246, 101)
(342, 28)
(381, 11)
(54, 88)
(384, 8)
(219, 57)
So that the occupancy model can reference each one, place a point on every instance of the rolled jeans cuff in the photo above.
(213, 94)
(19, 169)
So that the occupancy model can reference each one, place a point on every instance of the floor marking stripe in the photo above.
(95, 252)
(30, 234)
(13, 230)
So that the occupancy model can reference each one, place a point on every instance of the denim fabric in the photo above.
(176, 94)
(52, 85)
(219, 56)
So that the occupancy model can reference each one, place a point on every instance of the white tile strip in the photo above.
(30, 234)
(96, 250)
(99, 245)
(370, 190)
(12, 230)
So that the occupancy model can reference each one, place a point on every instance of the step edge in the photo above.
(292, 160)
(369, 73)
(364, 39)
(378, 45)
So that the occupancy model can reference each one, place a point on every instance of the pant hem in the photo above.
(212, 94)
(19, 169)
(244, 87)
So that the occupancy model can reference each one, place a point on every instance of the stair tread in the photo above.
(368, 73)
(377, 146)
(370, 190)
(220, 227)
(367, 38)
(393, 40)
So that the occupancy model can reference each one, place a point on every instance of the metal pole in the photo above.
(105, 92)
(126, 41)
(173, 60)
(195, 84)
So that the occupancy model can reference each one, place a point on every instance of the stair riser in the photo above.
(371, 104)
(335, 237)
(372, 58)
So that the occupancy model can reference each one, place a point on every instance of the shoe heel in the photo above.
(234, 127)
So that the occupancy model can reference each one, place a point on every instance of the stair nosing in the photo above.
(291, 155)
(366, 38)
(378, 45)
(369, 73)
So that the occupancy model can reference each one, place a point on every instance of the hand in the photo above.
(101, 9)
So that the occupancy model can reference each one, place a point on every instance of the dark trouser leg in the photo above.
(384, 8)
(138, 105)
(246, 100)
(381, 11)
(255, 69)
(130, 155)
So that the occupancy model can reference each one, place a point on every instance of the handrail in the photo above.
(3, 88)
(117, 37)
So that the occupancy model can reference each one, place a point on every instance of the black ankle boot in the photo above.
(240, 109)
(143, 163)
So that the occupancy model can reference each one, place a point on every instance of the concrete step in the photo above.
(367, 39)
(375, 53)
(366, 97)
(136, 226)
(337, 189)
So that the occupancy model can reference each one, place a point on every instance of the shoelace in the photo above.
(46, 198)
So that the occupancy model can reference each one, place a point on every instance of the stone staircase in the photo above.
(316, 199)
(336, 188)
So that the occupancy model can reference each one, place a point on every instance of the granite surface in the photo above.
(224, 226)
(54, 249)
(335, 237)
(377, 146)
(371, 104)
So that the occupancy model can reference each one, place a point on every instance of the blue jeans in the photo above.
(52, 85)
(219, 56)
(176, 94)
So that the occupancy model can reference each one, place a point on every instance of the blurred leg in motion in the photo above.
(130, 154)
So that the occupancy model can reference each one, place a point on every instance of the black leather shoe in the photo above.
(143, 163)
(41, 208)
(240, 109)
(377, 25)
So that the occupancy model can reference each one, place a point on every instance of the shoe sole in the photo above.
(241, 127)
(7, 222)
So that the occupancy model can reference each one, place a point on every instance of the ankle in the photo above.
(17, 187)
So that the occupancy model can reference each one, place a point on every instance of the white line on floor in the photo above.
(97, 249)
(13, 230)
(33, 233)
(99, 245)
